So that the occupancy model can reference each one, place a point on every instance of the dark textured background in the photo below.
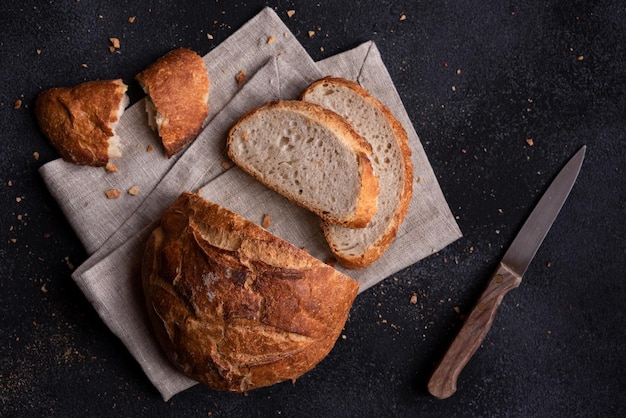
(553, 71)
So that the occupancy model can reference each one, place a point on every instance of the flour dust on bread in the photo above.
(80, 121)
(310, 155)
(391, 157)
(234, 306)
(177, 86)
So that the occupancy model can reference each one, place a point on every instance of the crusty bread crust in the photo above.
(79, 120)
(375, 250)
(367, 200)
(234, 306)
(178, 88)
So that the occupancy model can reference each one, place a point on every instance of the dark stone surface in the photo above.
(548, 70)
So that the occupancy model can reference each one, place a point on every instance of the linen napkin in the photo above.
(109, 277)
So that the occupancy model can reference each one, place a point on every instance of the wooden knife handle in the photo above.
(442, 383)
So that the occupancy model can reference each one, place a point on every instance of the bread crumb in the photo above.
(209, 36)
(580, 58)
(530, 142)
(413, 299)
(270, 40)
(83, 65)
(420, 180)
(290, 13)
(36, 156)
(150, 148)
(458, 71)
(112, 193)
(453, 88)
(402, 17)
(17, 104)
(267, 221)
(132, 19)
(133, 191)
(457, 309)
(115, 42)
(38, 51)
(241, 77)
(311, 33)
(110, 168)
(18, 199)
(226, 165)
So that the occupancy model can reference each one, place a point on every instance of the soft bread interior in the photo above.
(115, 149)
(302, 158)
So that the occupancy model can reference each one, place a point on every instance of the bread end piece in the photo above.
(80, 121)
(177, 85)
(232, 305)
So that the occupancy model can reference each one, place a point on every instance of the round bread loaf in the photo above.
(234, 306)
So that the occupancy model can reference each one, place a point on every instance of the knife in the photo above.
(508, 276)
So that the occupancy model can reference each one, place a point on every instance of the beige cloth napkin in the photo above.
(109, 277)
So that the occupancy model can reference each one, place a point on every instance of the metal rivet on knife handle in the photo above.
(442, 383)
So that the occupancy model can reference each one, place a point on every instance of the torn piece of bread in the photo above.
(391, 157)
(80, 121)
(310, 155)
(177, 86)
(234, 306)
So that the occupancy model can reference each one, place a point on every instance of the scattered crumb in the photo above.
(453, 88)
(458, 71)
(17, 104)
(530, 142)
(115, 45)
(241, 77)
(10, 183)
(83, 65)
(311, 33)
(402, 17)
(209, 36)
(150, 148)
(420, 180)
(38, 51)
(343, 336)
(110, 168)
(36, 155)
(112, 193)
(580, 58)
(131, 19)
(133, 191)
(457, 309)
(270, 40)
(464, 151)
(18, 199)
(267, 221)
(413, 299)
(290, 13)
(226, 165)
(549, 264)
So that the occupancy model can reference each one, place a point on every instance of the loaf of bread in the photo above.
(177, 86)
(234, 306)
(391, 157)
(80, 121)
(310, 155)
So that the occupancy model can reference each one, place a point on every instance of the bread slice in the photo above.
(311, 156)
(391, 157)
(234, 306)
(80, 121)
(177, 86)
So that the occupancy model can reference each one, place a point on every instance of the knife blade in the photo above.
(508, 276)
